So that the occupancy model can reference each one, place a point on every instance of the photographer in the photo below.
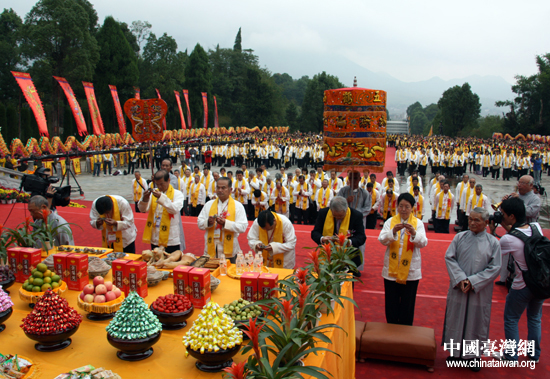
(531, 200)
(41, 184)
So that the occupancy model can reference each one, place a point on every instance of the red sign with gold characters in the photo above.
(354, 129)
(146, 117)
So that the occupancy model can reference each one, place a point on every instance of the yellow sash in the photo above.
(440, 205)
(322, 200)
(334, 185)
(304, 199)
(277, 261)
(418, 207)
(268, 191)
(203, 181)
(164, 229)
(117, 244)
(242, 186)
(399, 267)
(373, 196)
(328, 227)
(227, 235)
(137, 191)
(477, 201)
(280, 207)
(195, 193)
(391, 206)
(257, 207)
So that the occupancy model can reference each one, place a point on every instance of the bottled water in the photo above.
(223, 261)
(239, 263)
(258, 262)
(249, 262)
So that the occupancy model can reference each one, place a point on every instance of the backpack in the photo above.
(537, 257)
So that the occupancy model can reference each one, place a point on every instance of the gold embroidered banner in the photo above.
(27, 86)
(97, 122)
(354, 121)
(75, 106)
(178, 100)
(76, 165)
(146, 117)
(118, 109)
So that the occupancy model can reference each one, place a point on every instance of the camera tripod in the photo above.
(68, 173)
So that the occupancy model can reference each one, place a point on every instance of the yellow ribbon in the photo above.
(399, 267)
(164, 229)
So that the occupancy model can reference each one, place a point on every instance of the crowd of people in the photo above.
(243, 189)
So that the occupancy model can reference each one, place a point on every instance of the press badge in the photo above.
(157, 221)
(217, 232)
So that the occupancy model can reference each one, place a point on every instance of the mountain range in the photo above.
(401, 94)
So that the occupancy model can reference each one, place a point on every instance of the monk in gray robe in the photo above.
(473, 262)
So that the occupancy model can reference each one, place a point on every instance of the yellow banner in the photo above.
(63, 168)
(76, 165)
(48, 165)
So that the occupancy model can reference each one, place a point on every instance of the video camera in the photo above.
(39, 183)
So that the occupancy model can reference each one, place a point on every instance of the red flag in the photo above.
(94, 109)
(181, 111)
(75, 107)
(137, 93)
(145, 116)
(27, 86)
(186, 96)
(205, 105)
(118, 109)
(216, 121)
(164, 120)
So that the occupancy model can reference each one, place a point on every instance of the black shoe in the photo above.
(500, 283)
(477, 366)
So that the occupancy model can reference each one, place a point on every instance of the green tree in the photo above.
(460, 108)
(10, 54)
(530, 108)
(311, 118)
(58, 39)
(130, 37)
(237, 47)
(198, 78)
(117, 66)
(411, 109)
(141, 30)
(292, 116)
(11, 130)
(3, 118)
(418, 122)
(162, 67)
(430, 111)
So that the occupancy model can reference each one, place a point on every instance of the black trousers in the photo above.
(506, 173)
(485, 171)
(422, 170)
(136, 207)
(371, 221)
(131, 167)
(400, 301)
(495, 172)
(168, 249)
(441, 225)
(302, 216)
(195, 211)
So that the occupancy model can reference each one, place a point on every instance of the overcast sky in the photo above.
(409, 40)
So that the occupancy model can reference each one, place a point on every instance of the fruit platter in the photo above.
(101, 299)
(41, 280)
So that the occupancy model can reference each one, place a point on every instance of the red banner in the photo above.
(146, 116)
(94, 109)
(75, 107)
(216, 121)
(118, 109)
(164, 120)
(181, 111)
(186, 96)
(205, 105)
(27, 86)
(137, 91)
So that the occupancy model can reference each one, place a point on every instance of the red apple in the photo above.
(99, 299)
(98, 280)
(89, 298)
(117, 292)
(110, 296)
(109, 286)
(88, 289)
(82, 295)
(101, 290)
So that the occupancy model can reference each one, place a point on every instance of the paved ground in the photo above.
(94, 187)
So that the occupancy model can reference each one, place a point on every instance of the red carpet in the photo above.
(430, 304)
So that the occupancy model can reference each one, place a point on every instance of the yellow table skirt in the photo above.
(90, 344)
